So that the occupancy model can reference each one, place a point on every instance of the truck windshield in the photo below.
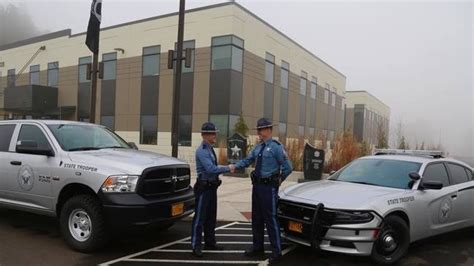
(378, 172)
(76, 137)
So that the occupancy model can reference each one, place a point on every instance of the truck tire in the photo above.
(83, 224)
(393, 241)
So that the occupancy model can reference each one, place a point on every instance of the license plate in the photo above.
(295, 227)
(177, 209)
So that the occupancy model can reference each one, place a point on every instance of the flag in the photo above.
(92, 39)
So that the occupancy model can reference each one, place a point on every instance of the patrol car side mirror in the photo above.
(435, 185)
(31, 147)
(133, 145)
(414, 176)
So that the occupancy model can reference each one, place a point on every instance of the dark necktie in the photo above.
(258, 164)
(213, 153)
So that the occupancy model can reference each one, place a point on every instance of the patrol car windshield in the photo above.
(74, 137)
(378, 172)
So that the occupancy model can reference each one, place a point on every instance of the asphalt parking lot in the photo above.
(28, 239)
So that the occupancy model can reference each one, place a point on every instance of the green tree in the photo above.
(382, 142)
(403, 144)
(241, 126)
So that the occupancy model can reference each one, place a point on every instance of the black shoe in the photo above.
(197, 252)
(213, 247)
(272, 260)
(254, 252)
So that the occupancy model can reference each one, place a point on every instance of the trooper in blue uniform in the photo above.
(271, 168)
(205, 191)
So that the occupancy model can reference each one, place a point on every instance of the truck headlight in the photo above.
(352, 217)
(120, 183)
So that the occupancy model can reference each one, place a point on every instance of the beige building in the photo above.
(241, 64)
(366, 116)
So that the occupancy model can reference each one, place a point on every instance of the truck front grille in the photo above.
(304, 213)
(164, 180)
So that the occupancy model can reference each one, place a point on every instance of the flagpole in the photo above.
(95, 62)
(177, 83)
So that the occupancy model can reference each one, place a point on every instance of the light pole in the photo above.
(177, 82)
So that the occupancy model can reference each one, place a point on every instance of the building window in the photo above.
(108, 121)
(53, 74)
(303, 84)
(34, 75)
(268, 86)
(110, 66)
(269, 67)
(283, 105)
(303, 81)
(311, 136)
(151, 61)
(343, 104)
(301, 131)
(148, 129)
(285, 69)
(333, 99)
(313, 102)
(227, 52)
(185, 130)
(326, 96)
(226, 126)
(11, 78)
(83, 62)
(282, 132)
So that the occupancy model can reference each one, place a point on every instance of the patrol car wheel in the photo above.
(82, 223)
(393, 241)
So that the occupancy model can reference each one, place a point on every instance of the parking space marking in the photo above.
(197, 261)
(204, 251)
(167, 250)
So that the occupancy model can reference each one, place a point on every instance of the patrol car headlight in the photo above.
(120, 183)
(352, 217)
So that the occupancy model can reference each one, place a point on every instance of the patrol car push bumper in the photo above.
(133, 209)
(329, 229)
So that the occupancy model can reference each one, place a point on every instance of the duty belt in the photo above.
(215, 183)
(274, 179)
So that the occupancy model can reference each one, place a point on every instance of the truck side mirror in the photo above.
(31, 147)
(133, 145)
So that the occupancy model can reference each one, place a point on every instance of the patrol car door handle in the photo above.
(15, 163)
(455, 196)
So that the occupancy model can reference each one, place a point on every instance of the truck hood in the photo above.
(122, 161)
(337, 194)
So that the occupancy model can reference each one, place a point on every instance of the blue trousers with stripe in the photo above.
(204, 217)
(264, 213)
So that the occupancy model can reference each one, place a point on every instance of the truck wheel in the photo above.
(393, 241)
(82, 223)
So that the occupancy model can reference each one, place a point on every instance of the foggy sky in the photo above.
(415, 56)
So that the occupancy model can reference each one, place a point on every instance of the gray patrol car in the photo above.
(377, 205)
(90, 178)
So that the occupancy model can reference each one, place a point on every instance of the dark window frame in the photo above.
(445, 168)
(83, 62)
(105, 60)
(4, 138)
(149, 54)
(451, 175)
(232, 45)
(52, 66)
(11, 77)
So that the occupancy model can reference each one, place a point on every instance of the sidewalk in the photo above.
(234, 197)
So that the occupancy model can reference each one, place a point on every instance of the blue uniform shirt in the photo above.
(206, 163)
(275, 159)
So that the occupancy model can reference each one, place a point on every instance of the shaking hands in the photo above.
(232, 168)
